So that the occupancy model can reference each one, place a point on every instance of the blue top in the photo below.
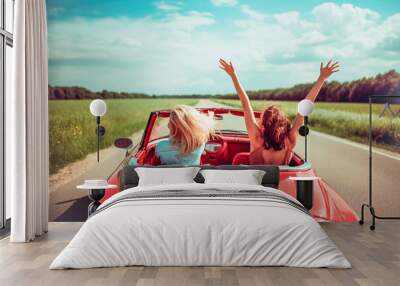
(169, 154)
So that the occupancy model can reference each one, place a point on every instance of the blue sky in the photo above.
(172, 47)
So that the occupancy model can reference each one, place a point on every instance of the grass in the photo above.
(346, 120)
(72, 127)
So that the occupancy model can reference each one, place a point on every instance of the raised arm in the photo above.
(250, 119)
(324, 73)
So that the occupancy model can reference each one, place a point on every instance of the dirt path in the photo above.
(63, 192)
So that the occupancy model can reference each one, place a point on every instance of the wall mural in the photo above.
(144, 56)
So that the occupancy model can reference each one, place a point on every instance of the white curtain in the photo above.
(27, 124)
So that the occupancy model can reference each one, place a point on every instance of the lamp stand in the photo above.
(305, 138)
(100, 131)
(98, 137)
(304, 132)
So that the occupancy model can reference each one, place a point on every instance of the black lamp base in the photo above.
(305, 193)
(95, 196)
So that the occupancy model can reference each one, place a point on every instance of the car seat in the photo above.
(241, 158)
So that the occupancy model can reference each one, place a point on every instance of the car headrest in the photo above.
(128, 178)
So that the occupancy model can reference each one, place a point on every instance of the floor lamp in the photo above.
(98, 108)
(305, 108)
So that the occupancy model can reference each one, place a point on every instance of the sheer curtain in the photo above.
(27, 124)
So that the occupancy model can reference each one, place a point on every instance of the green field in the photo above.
(346, 120)
(72, 127)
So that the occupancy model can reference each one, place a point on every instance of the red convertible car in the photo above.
(230, 146)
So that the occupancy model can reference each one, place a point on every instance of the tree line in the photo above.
(76, 92)
(333, 91)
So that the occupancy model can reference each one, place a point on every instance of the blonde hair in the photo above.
(189, 129)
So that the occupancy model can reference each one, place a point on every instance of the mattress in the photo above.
(201, 225)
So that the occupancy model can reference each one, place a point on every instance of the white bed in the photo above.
(185, 230)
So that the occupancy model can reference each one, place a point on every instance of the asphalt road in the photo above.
(342, 163)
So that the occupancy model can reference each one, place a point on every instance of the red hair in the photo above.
(276, 127)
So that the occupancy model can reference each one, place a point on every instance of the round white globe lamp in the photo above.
(98, 107)
(305, 107)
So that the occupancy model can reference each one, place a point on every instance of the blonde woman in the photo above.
(189, 130)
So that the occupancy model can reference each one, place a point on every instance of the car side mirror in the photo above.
(123, 143)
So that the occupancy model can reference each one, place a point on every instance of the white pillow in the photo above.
(166, 176)
(248, 177)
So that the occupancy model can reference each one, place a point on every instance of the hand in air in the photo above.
(326, 71)
(228, 68)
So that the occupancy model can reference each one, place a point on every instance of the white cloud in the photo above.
(151, 55)
(345, 31)
(164, 6)
(391, 35)
(252, 13)
(178, 52)
(349, 25)
(345, 17)
(289, 18)
(55, 11)
(225, 2)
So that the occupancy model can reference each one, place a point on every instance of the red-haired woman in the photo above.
(273, 139)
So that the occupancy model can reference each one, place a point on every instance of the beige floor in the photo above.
(375, 257)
